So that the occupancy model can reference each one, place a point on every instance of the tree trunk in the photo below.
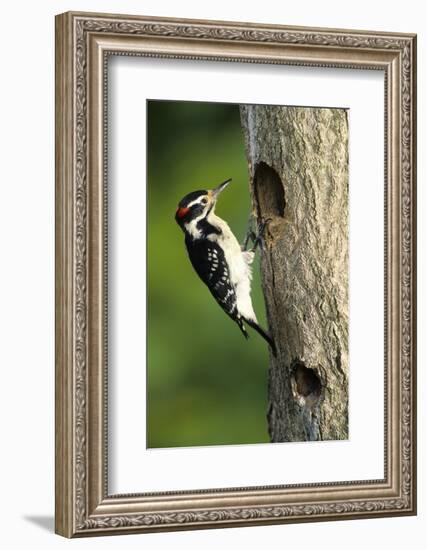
(298, 164)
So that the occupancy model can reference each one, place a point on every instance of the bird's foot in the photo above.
(250, 233)
(257, 238)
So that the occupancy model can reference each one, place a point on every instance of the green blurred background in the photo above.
(206, 384)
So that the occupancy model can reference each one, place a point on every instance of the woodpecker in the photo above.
(217, 257)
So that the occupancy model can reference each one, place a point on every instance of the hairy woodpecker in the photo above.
(218, 258)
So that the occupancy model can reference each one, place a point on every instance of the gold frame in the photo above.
(83, 43)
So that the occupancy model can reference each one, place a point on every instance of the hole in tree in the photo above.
(306, 382)
(269, 192)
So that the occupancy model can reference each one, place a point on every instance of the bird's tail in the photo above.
(262, 333)
(239, 321)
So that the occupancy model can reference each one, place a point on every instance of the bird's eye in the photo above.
(204, 202)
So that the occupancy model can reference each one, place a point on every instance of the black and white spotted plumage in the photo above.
(208, 260)
(218, 258)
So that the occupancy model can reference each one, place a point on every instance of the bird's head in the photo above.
(198, 204)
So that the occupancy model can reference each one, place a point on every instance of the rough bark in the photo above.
(298, 164)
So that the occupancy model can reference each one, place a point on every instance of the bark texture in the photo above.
(298, 164)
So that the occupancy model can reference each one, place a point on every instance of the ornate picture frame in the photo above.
(84, 42)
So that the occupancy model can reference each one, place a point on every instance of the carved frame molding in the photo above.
(83, 43)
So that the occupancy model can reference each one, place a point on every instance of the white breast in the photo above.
(239, 263)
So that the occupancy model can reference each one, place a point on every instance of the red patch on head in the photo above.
(181, 212)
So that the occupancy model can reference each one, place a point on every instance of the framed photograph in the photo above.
(235, 274)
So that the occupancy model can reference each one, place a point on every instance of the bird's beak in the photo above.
(215, 192)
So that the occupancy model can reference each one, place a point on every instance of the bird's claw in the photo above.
(256, 238)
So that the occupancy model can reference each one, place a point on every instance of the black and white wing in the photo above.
(210, 264)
